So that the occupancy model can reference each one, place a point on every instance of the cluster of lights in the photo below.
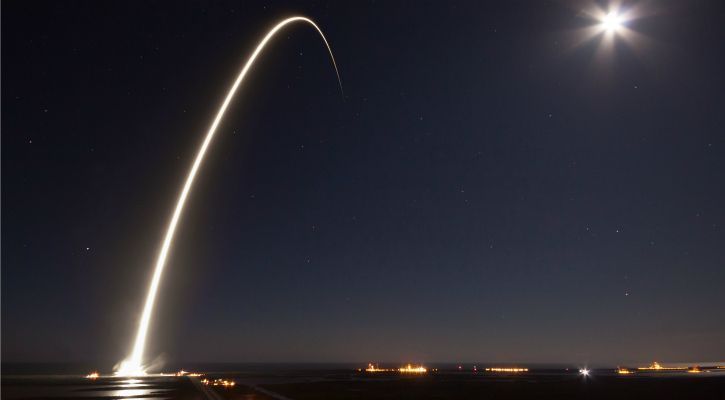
(584, 372)
(500, 369)
(182, 373)
(96, 375)
(187, 373)
(375, 368)
(657, 367)
(624, 371)
(218, 382)
(409, 369)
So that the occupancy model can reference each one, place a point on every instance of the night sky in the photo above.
(487, 190)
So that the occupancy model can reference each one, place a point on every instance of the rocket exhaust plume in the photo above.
(133, 365)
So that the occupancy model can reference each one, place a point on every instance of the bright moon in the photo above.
(611, 22)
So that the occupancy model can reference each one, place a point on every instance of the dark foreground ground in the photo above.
(339, 384)
(553, 388)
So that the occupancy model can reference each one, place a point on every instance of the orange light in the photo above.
(409, 369)
(218, 382)
(374, 368)
(93, 375)
(657, 367)
(500, 369)
(186, 373)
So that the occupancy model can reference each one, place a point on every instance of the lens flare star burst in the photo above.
(611, 24)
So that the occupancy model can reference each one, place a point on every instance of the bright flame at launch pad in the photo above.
(133, 365)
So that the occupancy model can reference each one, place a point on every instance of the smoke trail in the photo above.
(133, 365)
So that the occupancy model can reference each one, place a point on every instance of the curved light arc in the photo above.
(133, 365)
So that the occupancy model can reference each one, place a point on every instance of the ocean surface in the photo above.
(350, 381)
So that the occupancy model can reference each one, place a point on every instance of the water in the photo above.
(74, 387)
(344, 381)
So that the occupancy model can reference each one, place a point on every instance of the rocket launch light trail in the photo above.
(133, 365)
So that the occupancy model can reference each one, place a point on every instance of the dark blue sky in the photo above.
(485, 191)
